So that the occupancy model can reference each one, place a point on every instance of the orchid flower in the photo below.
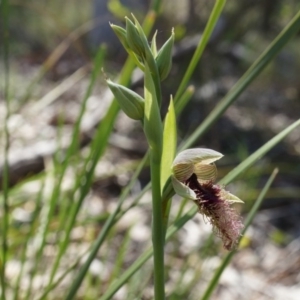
(193, 177)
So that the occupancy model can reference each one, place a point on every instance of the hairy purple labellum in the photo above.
(212, 204)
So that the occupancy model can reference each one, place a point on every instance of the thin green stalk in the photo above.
(4, 7)
(156, 79)
(139, 284)
(36, 212)
(119, 262)
(154, 133)
(47, 290)
(217, 274)
(157, 227)
(184, 99)
(183, 204)
(40, 242)
(117, 284)
(134, 202)
(256, 68)
(259, 153)
(104, 232)
(212, 21)
(74, 143)
(71, 150)
(155, 5)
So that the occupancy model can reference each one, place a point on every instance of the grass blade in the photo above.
(74, 144)
(36, 212)
(256, 68)
(169, 143)
(127, 274)
(212, 21)
(184, 99)
(103, 233)
(258, 154)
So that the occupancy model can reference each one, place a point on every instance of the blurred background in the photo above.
(52, 47)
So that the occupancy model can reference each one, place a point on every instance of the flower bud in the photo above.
(130, 102)
(134, 39)
(164, 58)
(121, 34)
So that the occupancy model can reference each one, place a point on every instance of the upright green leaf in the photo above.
(169, 144)
(212, 21)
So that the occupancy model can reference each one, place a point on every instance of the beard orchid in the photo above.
(193, 177)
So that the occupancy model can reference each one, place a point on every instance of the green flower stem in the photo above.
(214, 17)
(153, 132)
(157, 227)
